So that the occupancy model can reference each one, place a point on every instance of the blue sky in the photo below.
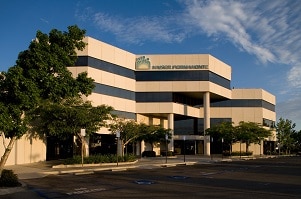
(260, 40)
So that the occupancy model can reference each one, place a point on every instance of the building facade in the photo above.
(187, 93)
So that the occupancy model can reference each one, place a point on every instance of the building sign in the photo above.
(144, 63)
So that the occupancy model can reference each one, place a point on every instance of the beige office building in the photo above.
(187, 93)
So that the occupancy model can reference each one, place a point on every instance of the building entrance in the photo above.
(188, 147)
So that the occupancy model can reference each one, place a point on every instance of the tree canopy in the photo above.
(131, 131)
(285, 134)
(246, 132)
(40, 74)
(68, 117)
(250, 132)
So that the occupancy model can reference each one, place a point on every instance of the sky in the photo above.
(259, 39)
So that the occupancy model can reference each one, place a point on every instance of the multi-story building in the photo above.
(187, 93)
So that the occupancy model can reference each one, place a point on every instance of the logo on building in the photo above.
(142, 63)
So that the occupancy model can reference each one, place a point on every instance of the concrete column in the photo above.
(142, 146)
(206, 102)
(138, 148)
(87, 143)
(170, 122)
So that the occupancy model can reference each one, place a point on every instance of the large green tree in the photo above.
(40, 74)
(128, 131)
(250, 132)
(297, 141)
(223, 132)
(68, 117)
(153, 134)
(245, 132)
(285, 129)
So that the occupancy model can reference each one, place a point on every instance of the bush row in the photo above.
(97, 159)
(237, 153)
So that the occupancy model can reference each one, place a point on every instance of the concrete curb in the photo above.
(62, 166)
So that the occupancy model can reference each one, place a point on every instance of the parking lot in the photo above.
(260, 178)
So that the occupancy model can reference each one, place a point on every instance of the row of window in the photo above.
(244, 103)
(195, 126)
(105, 66)
(177, 98)
(193, 75)
(268, 123)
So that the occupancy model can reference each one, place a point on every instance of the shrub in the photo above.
(148, 154)
(169, 153)
(238, 153)
(98, 158)
(9, 179)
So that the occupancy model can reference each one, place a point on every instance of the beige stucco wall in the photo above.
(256, 149)
(114, 55)
(166, 107)
(108, 53)
(25, 150)
(252, 114)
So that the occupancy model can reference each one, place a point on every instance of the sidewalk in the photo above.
(42, 169)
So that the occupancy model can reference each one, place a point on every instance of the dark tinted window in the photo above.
(105, 66)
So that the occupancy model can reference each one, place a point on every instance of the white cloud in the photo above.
(231, 20)
(294, 76)
(138, 30)
(288, 110)
(270, 30)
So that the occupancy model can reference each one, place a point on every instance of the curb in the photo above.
(63, 166)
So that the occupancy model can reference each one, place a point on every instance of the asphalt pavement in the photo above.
(42, 169)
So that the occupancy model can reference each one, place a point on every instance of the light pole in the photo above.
(83, 134)
(117, 146)
(166, 137)
(260, 147)
(240, 149)
(184, 148)
(222, 148)
(211, 145)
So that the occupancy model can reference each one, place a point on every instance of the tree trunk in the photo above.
(7, 152)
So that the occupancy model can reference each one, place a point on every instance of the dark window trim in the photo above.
(105, 66)
(244, 103)
(113, 91)
(191, 75)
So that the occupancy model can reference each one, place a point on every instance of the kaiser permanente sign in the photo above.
(144, 63)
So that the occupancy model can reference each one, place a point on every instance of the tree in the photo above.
(297, 141)
(128, 129)
(153, 134)
(131, 131)
(250, 132)
(285, 131)
(65, 119)
(223, 132)
(40, 74)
